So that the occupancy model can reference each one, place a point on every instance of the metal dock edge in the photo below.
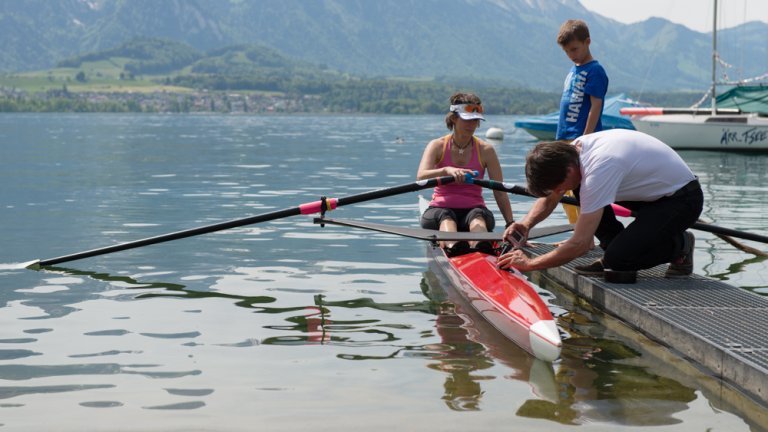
(719, 326)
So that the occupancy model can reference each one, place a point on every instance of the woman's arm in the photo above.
(493, 166)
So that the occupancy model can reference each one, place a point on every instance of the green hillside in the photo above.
(502, 43)
(152, 66)
(152, 74)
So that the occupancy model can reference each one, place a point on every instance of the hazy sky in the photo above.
(694, 14)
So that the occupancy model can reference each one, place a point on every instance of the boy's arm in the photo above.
(595, 111)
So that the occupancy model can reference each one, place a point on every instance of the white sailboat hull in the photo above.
(741, 132)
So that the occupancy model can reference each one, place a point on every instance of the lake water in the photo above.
(286, 325)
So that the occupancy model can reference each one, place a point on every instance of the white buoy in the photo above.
(494, 133)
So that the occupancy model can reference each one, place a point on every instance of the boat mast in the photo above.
(714, 60)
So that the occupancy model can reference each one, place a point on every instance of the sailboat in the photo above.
(737, 121)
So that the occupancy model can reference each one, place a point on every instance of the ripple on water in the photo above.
(104, 353)
(38, 330)
(177, 406)
(43, 289)
(189, 392)
(114, 332)
(13, 354)
(186, 335)
(8, 392)
(101, 404)
(18, 340)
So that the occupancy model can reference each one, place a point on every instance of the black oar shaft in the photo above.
(519, 190)
(171, 236)
(729, 232)
(308, 208)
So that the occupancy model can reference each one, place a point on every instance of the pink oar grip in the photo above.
(621, 211)
(316, 206)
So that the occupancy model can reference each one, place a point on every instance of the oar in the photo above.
(621, 211)
(625, 212)
(307, 208)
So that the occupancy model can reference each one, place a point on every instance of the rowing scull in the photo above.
(505, 298)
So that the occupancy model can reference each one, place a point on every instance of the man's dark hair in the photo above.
(546, 166)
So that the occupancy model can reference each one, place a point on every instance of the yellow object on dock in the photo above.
(571, 211)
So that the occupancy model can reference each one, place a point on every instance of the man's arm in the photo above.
(576, 246)
(540, 210)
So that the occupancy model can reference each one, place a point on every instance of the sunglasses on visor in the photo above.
(467, 108)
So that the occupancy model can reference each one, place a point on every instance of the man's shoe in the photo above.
(621, 276)
(683, 265)
(594, 269)
(458, 248)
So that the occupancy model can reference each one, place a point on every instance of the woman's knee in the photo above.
(478, 224)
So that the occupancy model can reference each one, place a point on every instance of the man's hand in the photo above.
(517, 234)
(515, 258)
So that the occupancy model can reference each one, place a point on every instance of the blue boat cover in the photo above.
(612, 118)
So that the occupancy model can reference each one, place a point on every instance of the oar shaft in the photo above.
(307, 208)
(519, 190)
(729, 232)
(172, 236)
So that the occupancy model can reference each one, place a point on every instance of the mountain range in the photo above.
(504, 42)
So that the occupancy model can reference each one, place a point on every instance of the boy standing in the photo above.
(581, 105)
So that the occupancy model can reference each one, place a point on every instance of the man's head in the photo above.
(547, 166)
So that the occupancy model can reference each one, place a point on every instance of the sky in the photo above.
(694, 14)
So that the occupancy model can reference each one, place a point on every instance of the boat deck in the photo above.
(718, 326)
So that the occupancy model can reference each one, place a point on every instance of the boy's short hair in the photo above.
(573, 29)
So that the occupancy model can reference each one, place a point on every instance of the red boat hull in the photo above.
(504, 298)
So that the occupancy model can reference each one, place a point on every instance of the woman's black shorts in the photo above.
(433, 216)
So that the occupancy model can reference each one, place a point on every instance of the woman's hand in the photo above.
(458, 173)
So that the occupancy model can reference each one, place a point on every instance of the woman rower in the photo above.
(460, 206)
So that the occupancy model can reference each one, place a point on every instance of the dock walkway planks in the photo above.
(719, 326)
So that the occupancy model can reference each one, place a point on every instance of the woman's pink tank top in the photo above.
(460, 196)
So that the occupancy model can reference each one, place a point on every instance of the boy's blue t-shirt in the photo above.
(582, 82)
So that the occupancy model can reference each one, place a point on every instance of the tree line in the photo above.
(214, 94)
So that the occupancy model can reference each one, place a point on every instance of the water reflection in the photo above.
(317, 325)
(597, 382)
(470, 344)
(597, 378)
(162, 289)
(303, 324)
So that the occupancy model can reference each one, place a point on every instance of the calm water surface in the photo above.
(286, 325)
